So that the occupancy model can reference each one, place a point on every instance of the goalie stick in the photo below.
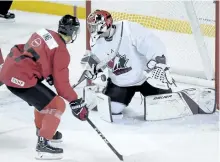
(102, 63)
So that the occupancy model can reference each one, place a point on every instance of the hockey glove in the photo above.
(79, 109)
(49, 80)
(92, 73)
(158, 74)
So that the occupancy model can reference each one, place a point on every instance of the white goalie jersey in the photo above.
(138, 46)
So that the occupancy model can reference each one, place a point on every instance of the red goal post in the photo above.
(217, 53)
(190, 30)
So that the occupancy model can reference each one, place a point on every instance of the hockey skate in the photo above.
(57, 138)
(8, 16)
(47, 152)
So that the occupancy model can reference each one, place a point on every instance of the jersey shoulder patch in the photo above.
(48, 38)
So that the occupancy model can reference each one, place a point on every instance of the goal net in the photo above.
(187, 28)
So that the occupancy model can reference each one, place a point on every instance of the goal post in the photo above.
(189, 30)
(200, 42)
(88, 11)
(217, 53)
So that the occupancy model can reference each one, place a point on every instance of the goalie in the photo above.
(139, 63)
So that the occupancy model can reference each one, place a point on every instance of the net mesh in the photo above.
(207, 25)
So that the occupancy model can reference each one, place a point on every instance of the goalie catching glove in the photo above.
(79, 109)
(158, 74)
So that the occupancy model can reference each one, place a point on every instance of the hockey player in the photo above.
(138, 64)
(139, 50)
(45, 57)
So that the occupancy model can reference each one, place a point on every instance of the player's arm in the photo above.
(62, 84)
(149, 45)
(61, 75)
(146, 42)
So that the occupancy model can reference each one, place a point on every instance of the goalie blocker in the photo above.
(159, 107)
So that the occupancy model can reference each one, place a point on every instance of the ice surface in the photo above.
(188, 139)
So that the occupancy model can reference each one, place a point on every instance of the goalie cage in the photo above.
(186, 24)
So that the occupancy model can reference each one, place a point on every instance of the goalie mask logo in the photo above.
(118, 64)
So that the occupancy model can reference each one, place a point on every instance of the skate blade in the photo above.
(56, 141)
(48, 156)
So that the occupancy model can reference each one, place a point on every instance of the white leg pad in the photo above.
(104, 107)
(89, 95)
(203, 97)
(184, 103)
(167, 106)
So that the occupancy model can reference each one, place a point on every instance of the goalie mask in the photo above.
(69, 26)
(99, 22)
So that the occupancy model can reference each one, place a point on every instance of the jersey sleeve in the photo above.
(61, 75)
(145, 41)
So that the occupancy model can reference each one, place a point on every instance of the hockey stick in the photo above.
(106, 141)
(102, 63)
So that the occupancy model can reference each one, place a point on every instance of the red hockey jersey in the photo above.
(44, 54)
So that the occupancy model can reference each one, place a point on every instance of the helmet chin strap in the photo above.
(72, 40)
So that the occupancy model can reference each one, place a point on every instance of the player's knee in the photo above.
(58, 104)
(117, 107)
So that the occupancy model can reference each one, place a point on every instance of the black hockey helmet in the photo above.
(69, 26)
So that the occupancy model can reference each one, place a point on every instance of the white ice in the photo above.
(189, 139)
